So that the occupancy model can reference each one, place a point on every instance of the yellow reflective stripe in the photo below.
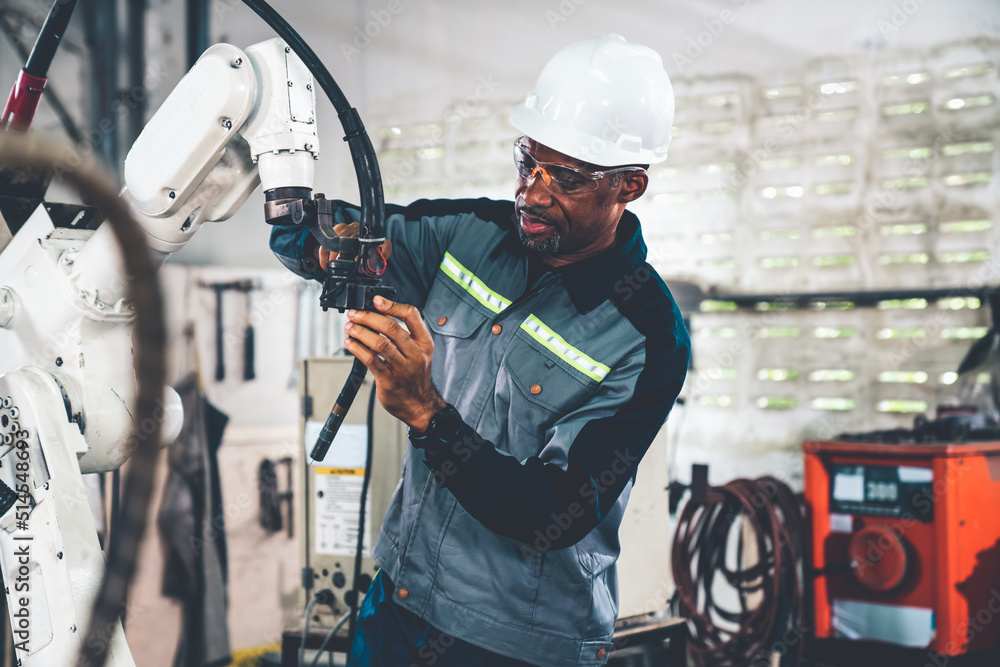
(557, 344)
(473, 285)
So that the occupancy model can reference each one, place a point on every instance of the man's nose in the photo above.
(536, 192)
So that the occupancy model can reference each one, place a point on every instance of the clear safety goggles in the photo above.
(559, 178)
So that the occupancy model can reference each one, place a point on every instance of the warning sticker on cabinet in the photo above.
(336, 488)
(338, 502)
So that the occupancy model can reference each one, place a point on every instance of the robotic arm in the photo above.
(238, 118)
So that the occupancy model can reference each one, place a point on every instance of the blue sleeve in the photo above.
(420, 234)
(294, 247)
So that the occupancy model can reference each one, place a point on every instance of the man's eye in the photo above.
(567, 179)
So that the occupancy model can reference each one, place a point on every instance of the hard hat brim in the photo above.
(576, 144)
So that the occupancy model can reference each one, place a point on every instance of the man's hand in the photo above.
(400, 360)
(352, 230)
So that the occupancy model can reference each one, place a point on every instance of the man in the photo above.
(540, 357)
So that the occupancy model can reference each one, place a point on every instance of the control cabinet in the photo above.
(331, 489)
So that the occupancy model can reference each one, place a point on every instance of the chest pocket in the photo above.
(536, 388)
(454, 324)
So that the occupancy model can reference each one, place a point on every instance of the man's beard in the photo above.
(547, 246)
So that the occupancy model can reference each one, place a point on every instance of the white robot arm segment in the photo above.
(65, 327)
(236, 118)
(188, 134)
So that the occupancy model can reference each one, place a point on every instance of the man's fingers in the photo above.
(409, 314)
(349, 230)
(374, 341)
(325, 257)
(382, 324)
(367, 357)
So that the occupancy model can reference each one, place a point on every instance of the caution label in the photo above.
(338, 503)
(336, 491)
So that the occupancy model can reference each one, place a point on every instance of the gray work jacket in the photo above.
(508, 540)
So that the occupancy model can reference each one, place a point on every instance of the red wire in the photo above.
(385, 263)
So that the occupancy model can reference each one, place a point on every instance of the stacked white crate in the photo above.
(865, 175)
(691, 208)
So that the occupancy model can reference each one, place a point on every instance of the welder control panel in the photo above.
(882, 490)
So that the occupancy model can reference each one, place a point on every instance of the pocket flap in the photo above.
(594, 653)
(556, 386)
(449, 314)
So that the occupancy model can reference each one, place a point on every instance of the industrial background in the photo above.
(828, 220)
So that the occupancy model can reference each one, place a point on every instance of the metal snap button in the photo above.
(496, 329)
(536, 389)
(442, 320)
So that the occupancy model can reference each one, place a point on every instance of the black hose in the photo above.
(49, 38)
(339, 411)
(369, 186)
(362, 151)
(149, 341)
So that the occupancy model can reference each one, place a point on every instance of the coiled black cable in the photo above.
(771, 615)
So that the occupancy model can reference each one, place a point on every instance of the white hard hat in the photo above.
(603, 101)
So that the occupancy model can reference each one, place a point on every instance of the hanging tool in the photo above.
(270, 499)
(248, 342)
(220, 357)
(248, 335)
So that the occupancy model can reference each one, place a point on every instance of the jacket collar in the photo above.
(590, 282)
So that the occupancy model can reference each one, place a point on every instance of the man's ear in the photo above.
(634, 184)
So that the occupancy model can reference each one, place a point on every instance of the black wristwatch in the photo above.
(442, 432)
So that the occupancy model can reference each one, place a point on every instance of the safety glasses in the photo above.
(559, 178)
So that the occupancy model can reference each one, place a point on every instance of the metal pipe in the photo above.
(198, 16)
(860, 298)
(136, 19)
(102, 39)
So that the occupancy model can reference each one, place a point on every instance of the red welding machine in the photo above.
(906, 543)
